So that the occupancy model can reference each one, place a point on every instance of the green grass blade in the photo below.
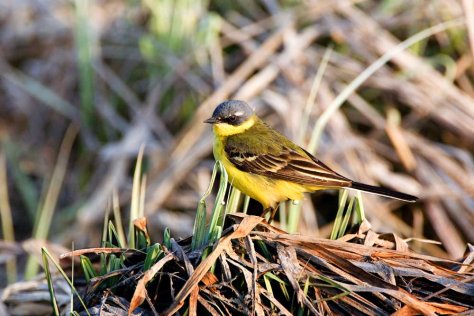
(115, 263)
(268, 286)
(347, 217)
(218, 212)
(42, 93)
(263, 247)
(294, 214)
(71, 303)
(199, 230)
(6, 218)
(118, 220)
(167, 238)
(272, 276)
(111, 263)
(217, 232)
(301, 309)
(220, 198)
(340, 213)
(313, 93)
(135, 201)
(24, 185)
(113, 237)
(103, 263)
(47, 256)
(333, 284)
(83, 41)
(294, 209)
(48, 205)
(234, 200)
(142, 241)
(152, 254)
(49, 279)
(283, 215)
(359, 209)
(246, 204)
(87, 268)
(281, 283)
(105, 231)
(141, 204)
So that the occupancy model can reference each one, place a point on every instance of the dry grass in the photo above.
(257, 269)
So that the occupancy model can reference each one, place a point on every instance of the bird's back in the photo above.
(261, 139)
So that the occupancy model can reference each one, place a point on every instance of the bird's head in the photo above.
(231, 117)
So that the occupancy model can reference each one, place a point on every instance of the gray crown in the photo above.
(232, 112)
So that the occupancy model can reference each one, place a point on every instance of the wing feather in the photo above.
(288, 164)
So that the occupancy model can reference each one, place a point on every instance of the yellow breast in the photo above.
(269, 192)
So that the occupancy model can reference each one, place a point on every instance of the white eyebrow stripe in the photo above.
(239, 113)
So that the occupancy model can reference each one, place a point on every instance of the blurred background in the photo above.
(83, 84)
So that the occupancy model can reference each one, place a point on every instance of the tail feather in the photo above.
(383, 191)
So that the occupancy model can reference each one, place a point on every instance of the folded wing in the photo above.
(289, 164)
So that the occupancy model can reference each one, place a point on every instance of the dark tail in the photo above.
(383, 192)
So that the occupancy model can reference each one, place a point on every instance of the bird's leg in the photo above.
(265, 211)
(272, 211)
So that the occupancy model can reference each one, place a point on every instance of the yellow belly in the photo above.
(269, 192)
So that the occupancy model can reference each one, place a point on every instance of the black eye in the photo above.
(232, 118)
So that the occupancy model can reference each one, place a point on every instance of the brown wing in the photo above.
(289, 164)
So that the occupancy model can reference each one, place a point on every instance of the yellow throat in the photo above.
(224, 129)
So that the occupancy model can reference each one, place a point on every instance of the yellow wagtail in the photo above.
(267, 166)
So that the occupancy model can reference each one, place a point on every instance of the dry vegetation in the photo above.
(84, 84)
(256, 269)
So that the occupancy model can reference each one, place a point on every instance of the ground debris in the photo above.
(258, 269)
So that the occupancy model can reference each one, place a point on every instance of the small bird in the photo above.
(267, 166)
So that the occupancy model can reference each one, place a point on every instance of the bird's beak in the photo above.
(211, 120)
